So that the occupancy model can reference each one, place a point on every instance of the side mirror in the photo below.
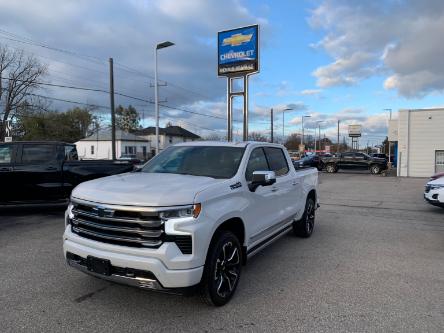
(262, 178)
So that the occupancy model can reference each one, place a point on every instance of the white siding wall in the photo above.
(419, 141)
(102, 149)
(164, 141)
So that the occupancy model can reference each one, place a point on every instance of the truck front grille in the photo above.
(120, 226)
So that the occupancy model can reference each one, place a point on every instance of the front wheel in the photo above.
(304, 227)
(330, 168)
(375, 169)
(222, 269)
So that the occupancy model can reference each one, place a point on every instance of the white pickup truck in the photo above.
(190, 217)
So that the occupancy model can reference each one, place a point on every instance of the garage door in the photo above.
(439, 161)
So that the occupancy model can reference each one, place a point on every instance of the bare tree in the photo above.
(257, 136)
(19, 75)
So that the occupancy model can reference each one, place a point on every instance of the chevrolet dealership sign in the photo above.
(238, 51)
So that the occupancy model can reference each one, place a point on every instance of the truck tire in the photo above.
(375, 169)
(304, 227)
(222, 269)
(331, 168)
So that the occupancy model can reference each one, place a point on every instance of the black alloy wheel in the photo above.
(331, 168)
(222, 269)
(375, 169)
(305, 226)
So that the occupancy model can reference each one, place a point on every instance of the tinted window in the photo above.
(348, 155)
(215, 162)
(256, 162)
(71, 153)
(5, 154)
(277, 160)
(37, 154)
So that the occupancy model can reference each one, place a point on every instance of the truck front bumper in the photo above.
(131, 269)
(434, 198)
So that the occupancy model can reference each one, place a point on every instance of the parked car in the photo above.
(190, 218)
(47, 171)
(434, 192)
(354, 160)
(379, 155)
(437, 175)
(130, 158)
(313, 161)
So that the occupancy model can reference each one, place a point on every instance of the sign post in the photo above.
(354, 132)
(8, 130)
(238, 57)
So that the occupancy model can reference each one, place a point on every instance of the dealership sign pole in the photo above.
(238, 58)
(354, 132)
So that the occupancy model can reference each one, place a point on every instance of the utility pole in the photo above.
(271, 121)
(337, 147)
(113, 110)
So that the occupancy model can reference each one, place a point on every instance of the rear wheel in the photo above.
(375, 169)
(330, 168)
(304, 227)
(222, 269)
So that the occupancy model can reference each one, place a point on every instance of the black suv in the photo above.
(354, 160)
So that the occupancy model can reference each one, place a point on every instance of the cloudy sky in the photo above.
(333, 59)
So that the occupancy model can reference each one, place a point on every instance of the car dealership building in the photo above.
(419, 141)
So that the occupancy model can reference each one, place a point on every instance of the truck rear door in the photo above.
(38, 171)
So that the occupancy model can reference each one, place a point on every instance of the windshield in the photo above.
(209, 161)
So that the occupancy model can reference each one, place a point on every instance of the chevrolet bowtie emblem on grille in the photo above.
(103, 212)
(237, 39)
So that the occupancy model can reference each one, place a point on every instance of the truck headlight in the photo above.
(436, 186)
(191, 211)
(69, 213)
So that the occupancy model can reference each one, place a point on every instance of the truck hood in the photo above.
(144, 189)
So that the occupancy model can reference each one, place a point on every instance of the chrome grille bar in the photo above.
(117, 238)
(144, 233)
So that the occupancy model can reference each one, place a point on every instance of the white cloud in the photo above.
(399, 39)
(127, 31)
(310, 92)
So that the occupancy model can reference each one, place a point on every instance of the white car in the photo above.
(190, 217)
(434, 192)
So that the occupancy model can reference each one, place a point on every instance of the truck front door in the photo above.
(8, 186)
(263, 203)
(39, 172)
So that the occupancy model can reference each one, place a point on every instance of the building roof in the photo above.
(169, 130)
(105, 135)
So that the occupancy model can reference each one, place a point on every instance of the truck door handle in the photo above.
(5, 169)
(51, 168)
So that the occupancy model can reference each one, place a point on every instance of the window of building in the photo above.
(130, 150)
(92, 150)
(439, 158)
(170, 139)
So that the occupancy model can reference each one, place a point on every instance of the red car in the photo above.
(437, 175)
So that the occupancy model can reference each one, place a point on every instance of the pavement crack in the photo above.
(89, 295)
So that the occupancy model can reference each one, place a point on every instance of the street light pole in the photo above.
(283, 123)
(319, 126)
(156, 89)
(390, 110)
(302, 139)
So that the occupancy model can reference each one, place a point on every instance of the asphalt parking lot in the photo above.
(374, 263)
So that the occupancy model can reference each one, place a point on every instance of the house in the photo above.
(167, 136)
(418, 142)
(98, 145)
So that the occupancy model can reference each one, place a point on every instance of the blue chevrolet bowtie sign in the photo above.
(238, 51)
